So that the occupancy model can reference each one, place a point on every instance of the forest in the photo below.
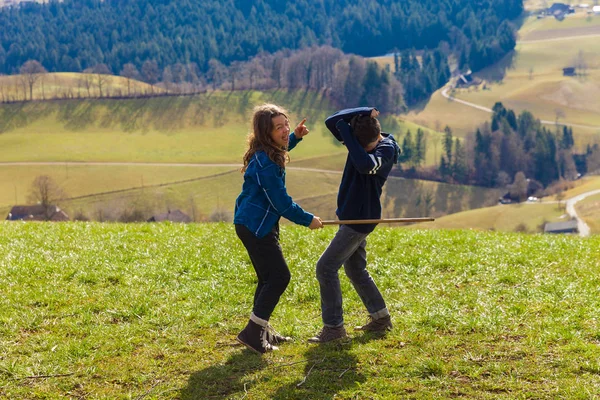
(507, 150)
(74, 35)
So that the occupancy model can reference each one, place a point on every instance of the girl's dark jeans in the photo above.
(270, 266)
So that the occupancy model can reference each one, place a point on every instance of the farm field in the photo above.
(531, 79)
(151, 311)
(523, 217)
(164, 139)
(315, 191)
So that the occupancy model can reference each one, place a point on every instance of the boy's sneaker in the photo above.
(376, 325)
(327, 334)
(255, 337)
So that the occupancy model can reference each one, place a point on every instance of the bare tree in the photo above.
(130, 72)
(32, 71)
(101, 77)
(256, 72)
(519, 187)
(167, 78)
(178, 73)
(45, 191)
(150, 72)
(216, 73)
(560, 196)
(559, 113)
(86, 80)
(234, 70)
(2, 95)
(581, 63)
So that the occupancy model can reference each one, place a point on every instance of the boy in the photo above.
(371, 156)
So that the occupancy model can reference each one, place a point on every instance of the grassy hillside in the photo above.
(202, 195)
(152, 310)
(70, 85)
(531, 79)
(201, 129)
(524, 217)
(208, 128)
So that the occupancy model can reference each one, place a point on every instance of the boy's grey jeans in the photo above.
(348, 249)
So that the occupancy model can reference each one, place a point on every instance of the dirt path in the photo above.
(150, 164)
(582, 227)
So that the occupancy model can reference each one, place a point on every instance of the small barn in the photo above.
(37, 212)
(561, 227)
(467, 79)
(171, 215)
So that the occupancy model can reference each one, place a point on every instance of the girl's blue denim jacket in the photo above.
(264, 198)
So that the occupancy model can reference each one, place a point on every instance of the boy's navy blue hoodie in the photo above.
(365, 172)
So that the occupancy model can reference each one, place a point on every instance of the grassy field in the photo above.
(523, 217)
(82, 180)
(208, 128)
(531, 79)
(151, 311)
(315, 191)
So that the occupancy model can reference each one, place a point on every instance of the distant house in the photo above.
(560, 7)
(561, 227)
(467, 79)
(569, 71)
(596, 9)
(37, 213)
(559, 10)
(171, 215)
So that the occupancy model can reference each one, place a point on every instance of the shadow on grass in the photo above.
(222, 380)
(330, 368)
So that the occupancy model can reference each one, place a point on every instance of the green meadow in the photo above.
(150, 311)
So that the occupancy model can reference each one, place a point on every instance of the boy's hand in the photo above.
(301, 130)
(316, 223)
(374, 113)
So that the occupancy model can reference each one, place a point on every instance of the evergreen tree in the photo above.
(408, 149)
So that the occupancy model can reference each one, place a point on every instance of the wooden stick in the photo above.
(376, 221)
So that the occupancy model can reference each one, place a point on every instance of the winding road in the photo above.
(489, 110)
(582, 227)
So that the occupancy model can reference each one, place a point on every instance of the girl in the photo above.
(258, 208)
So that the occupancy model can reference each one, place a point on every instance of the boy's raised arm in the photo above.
(345, 115)
(364, 162)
